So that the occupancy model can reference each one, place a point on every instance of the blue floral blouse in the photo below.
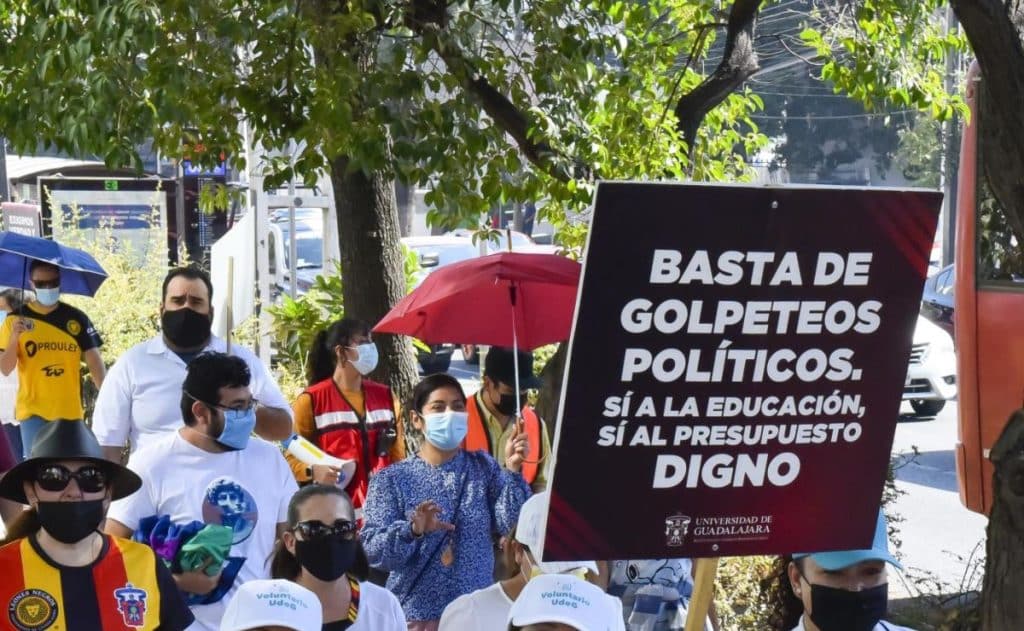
(489, 504)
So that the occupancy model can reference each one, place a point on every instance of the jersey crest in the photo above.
(131, 602)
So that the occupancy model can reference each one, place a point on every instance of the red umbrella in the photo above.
(507, 299)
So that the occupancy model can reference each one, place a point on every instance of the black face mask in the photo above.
(507, 403)
(186, 328)
(70, 522)
(328, 558)
(835, 609)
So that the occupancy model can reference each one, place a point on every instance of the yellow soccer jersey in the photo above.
(50, 361)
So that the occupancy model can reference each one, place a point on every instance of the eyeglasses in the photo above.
(251, 404)
(316, 529)
(55, 478)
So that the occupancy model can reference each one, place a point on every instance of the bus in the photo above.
(988, 303)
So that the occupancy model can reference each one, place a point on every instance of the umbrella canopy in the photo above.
(79, 273)
(505, 299)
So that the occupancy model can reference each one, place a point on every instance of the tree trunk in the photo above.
(404, 199)
(992, 27)
(1002, 606)
(372, 271)
(551, 388)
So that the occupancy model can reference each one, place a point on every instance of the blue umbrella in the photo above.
(79, 272)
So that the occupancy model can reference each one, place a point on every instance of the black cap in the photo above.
(499, 365)
(66, 440)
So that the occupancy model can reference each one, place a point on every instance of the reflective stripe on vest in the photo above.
(349, 417)
(477, 439)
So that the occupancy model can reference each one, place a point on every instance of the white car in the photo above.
(931, 375)
(521, 242)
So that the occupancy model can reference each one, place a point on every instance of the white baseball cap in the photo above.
(265, 603)
(531, 518)
(562, 598)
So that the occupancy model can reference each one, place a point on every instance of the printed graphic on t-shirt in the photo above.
(131, 602)
(228, 503)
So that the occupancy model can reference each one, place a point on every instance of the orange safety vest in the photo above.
(479, 440)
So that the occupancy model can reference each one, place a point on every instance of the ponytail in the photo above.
(321, 360)
(24, 525)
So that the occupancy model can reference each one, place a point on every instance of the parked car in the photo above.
(937, 299)
(931, 375)
(309, 251)
(521, 242)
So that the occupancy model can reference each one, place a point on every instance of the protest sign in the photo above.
(735, 369)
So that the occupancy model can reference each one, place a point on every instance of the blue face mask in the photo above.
(238, 426)
(445, 430)
(48, 296)
(3, 316)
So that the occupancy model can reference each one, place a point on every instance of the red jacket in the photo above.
(342, 433)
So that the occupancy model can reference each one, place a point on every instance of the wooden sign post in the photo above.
(703, 593)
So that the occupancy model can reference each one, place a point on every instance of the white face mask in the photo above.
(366, 362)
(48, 296)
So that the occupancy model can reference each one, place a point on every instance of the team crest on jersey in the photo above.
(32, 610)
(131, 602)
(74, 328)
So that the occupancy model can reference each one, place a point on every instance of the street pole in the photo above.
(5, 192)
(950, 153)
(179, 209)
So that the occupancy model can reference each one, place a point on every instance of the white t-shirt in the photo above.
(8, 397)
(379, 610)
(141, 395)
(485, 608)
(248, 490)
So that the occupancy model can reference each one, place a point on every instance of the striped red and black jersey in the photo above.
(126, 589)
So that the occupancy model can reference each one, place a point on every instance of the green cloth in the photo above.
(210, 545)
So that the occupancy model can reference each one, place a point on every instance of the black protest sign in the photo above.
(735, 369)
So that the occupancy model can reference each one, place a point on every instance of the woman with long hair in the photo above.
(320, 551)
(834, 591)
(344, 413)
(430, 519)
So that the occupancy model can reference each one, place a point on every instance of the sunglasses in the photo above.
(316, 529)
(55, 477)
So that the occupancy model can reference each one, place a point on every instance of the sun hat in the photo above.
(531, 518)
(879, 551)
(266, 603)
(66, 440)
(563, 598)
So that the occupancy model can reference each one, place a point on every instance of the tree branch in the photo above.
(426, 20)
(992, 29)
(739, 62)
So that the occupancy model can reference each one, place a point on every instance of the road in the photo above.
(940, 537)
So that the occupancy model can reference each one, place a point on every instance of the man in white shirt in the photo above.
(138, 402)
(212, 471)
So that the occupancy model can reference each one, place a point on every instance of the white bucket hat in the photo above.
(531, 518)
(563, 598)
(265, 603)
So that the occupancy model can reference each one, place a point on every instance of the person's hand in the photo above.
(326, 474)
(21, 325)
(427, 518)
(517, 448)
(196, 581)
